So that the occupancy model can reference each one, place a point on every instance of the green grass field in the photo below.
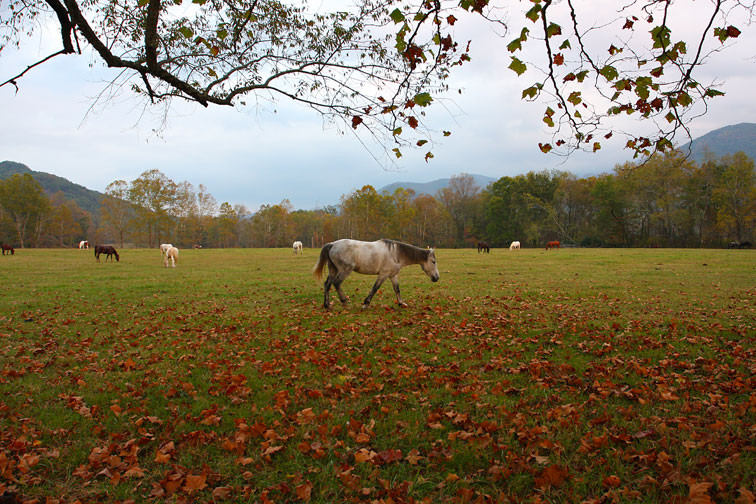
(597, 375)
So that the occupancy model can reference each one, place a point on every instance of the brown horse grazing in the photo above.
(109, 252)
(484, 246)
(9, 249)
(552, 244)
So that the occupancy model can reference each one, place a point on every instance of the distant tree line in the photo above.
(666, 201)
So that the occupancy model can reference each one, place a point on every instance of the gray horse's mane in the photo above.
(414, 254)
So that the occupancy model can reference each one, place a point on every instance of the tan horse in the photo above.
(171, 255)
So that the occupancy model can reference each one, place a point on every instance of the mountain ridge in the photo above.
(724, 141)
(86, 198)
(434, 186)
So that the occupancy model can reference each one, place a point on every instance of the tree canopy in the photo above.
(375, 65)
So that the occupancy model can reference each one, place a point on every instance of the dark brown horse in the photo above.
(552, 244)
(9, 249)
(109, 252)
(484, 247)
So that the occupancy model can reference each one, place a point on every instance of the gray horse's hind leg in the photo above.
(337, 283)
(395, 283)
(326, 288)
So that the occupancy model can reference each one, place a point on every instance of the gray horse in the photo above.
(383, 258)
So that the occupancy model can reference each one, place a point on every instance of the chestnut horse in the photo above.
(9, 249)
(552, 244)
(109, 252)
(484, 246)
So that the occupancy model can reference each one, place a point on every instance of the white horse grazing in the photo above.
(172, 255)
(515, 245)
(83, 244)
(297, 247)
(164, 248)
(383, 258)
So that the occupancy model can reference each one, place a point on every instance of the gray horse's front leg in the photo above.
(376, 286)
(395, 283)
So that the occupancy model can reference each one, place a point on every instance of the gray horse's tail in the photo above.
(318, 270)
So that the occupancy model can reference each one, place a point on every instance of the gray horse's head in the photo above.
(429, 266)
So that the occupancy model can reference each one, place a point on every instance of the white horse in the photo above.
(172, 255)
(164, 248)
(297, 247)
(515, 245)
(83, 244)
(383, 258)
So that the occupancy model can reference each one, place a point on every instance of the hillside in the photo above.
(433, 186)
(723, 141)
(87, 199)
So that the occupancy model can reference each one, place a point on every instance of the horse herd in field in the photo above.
(383, 258)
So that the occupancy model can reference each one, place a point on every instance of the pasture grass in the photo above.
(597, 375)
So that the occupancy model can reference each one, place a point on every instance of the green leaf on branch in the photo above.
(534, 13)
(548, 117)
(660, 35)
(186, 32)
(517, 66)
(553, 29)
(397, 16)
(724, 33)
(575, 98)
(530, 92)
(565, 45)
(545, 148)
(670, 117)
(423, 99)
(609, 72)
(397, 152)
(713, 92)
(397, 131)
(684, 99)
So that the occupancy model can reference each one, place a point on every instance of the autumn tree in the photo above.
(365, 214)
(376, 64)
(26, 205)
(61, 227)
(460, 198)
(117, 212)
(402, 214)
(184, 211)
(432, 224)
(152, 195)
(736, 195)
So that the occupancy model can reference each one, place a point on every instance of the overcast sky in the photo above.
(264, 155)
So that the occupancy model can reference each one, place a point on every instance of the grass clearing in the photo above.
(600, 375)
